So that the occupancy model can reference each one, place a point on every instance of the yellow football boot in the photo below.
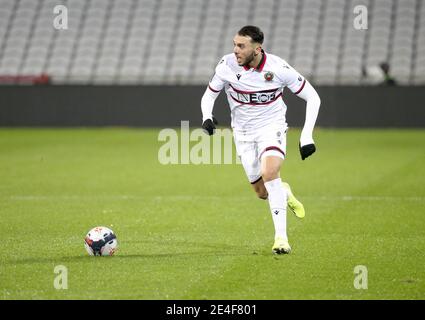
(296, 207)
(281, 246)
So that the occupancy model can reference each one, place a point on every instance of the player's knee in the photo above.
(269, 175)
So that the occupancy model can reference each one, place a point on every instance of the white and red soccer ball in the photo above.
(101, 241)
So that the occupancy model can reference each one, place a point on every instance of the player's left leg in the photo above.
(271, 162)
(253, 166)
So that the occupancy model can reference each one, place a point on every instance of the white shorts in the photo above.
(253, 146)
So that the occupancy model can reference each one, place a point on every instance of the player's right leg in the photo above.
(259, 188)
(293, 203)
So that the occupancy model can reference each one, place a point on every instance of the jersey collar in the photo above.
(261, 64)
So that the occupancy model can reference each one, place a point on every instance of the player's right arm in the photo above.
(215, 85)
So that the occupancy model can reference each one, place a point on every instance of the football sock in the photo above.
(277, 201)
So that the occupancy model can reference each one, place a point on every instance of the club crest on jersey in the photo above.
(269, 76)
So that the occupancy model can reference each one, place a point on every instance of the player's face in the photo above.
(245, 49)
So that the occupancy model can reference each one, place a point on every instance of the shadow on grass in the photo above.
(121, 257)
(210, 250)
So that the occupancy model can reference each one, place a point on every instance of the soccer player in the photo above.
(253, 81)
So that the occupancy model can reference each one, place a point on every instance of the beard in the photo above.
(248, 60)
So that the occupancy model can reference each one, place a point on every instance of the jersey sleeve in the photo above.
(291, 78)
(217, 81)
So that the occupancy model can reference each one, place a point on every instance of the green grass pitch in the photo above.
(198, 231)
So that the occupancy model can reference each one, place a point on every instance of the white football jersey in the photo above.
(255, 94)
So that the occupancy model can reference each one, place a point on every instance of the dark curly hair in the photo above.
(254, 32)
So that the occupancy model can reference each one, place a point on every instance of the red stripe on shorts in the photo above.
(272, 148)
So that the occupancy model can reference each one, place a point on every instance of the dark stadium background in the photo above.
(147, 63)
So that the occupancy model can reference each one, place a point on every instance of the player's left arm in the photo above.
(302, 88)
(310, 95)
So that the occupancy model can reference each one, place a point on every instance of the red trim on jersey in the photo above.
(262, 62)
(272, 148)
(302, 86)
(213, 89)
(241, 91)
(258, 104)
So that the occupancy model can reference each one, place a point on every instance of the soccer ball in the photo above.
(101, 241)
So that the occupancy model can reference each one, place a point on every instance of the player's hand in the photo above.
(307, 150)
(209, 126)
(214, 120)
